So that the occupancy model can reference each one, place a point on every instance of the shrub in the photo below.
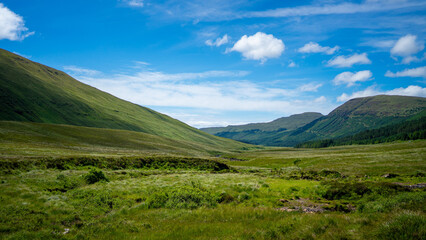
(157, 200)
(406, 226)
(330, 173)
(314, 175)
(243, 196)
(163, 162)
(190, 197)
(225, 197)
(408, 201)
(419, 174)
(386, 189)
(185, 197)
(338, 190)
(95, 176)
(97, 201)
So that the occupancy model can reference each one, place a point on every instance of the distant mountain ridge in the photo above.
(352, 117)
(361, 114)
(411, 129)
(285, 123)
(258, 133)
(32, 92)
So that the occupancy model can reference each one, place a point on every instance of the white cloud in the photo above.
(218, 42)
(259, 46)
(413, 72)
(410, 59)
(371, 91)
(204, 118)
(406, 47)
(225, 10)
(349, 61)
(350, 78)
(321, 99)
(12, 26)
(169, 90)
(292, 64)
(310, 87)
(134, 3)
(150, 76)
(81, 71)
(313, 47)
(382, 43)
(408, 91)
(205, 124)
(341, 8)
(142, 63)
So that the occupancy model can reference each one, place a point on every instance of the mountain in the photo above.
(357, 115)
(51, 140)
(352, 117)
(284, 123)
(257, 133)
(411, 129)
(32, 92)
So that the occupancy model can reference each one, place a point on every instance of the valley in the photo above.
(78, 163)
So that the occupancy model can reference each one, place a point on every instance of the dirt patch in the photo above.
(412, 186)
(308, 206)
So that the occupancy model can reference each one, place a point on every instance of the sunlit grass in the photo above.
(34, 206)
(399, 157)
(37, 202)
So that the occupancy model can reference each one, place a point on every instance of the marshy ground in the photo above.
(352, 192)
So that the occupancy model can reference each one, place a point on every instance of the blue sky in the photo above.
(214, 63)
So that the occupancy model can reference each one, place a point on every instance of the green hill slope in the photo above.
(18, 139)
(285, 123)
(357, 115)
(352, 117)
(411, 129)
(33, 92)
(258, 133)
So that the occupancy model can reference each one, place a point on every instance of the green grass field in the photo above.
(398, 157)
(263, 196)
(166, 204)
(53, 140)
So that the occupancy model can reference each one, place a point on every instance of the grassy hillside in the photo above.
(411, 129)
(285, 123)
(19, 139)
(352, 117)
(32, 92)
(367, 113)
(357, 115)
(260, 133)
